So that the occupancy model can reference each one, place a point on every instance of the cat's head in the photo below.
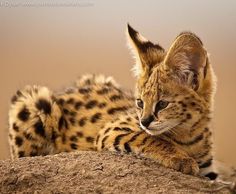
(174, 87)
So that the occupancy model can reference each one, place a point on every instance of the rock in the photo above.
(97, 172)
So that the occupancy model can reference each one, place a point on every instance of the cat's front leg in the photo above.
(125, 139)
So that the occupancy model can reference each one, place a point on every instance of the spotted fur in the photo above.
(96, 114)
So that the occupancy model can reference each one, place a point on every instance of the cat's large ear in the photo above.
(145, 52)
(186, 60)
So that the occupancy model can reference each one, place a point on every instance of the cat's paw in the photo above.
(186, 165)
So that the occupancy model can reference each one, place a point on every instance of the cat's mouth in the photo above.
(157, 130)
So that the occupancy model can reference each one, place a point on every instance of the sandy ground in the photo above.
(96, 172)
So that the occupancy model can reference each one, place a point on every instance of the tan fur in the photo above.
(96, 114)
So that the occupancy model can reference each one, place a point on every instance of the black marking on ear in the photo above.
(212, 175)
(44, 105)
(24, 114)
(142, 45)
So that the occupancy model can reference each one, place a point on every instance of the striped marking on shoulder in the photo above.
(118, 140)
(191, 142)
(133, 138)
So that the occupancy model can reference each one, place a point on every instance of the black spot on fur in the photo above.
(39, 129)
(78, 104)
(24, 114)
(18, 141)
(117, 109)
(116, 97)
(84, 90)
(96, 117)
(193, 104)
(65, 111)
(21, 154)
(188, 116)
(82, 121)
(44, 105)
(128, 119)
(27, 136)
(103, 91)
(91, 104)
(35, 147)
(61, 101)
(15, 127)
(102, 105)
(79, 134)
(72, 113)
(72, 121)
(70, 101)
(73, 146)
(33, 153)
(74, 138)
(90, 139)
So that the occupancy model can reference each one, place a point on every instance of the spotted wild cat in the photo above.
(170, 122)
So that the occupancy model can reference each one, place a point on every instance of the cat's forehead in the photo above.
(155, 85)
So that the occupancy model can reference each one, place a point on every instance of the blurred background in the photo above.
(54, 43)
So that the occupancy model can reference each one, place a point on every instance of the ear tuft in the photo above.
(145, 52)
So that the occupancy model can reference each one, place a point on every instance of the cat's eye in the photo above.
(161, 105)
(139, 103)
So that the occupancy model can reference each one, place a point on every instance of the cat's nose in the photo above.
(146, 121)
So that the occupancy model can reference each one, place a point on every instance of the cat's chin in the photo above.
(153, 132)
